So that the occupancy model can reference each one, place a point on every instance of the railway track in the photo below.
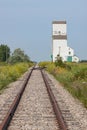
(35, 106)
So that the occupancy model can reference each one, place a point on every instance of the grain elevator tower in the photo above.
(59, 43)
(59, 40)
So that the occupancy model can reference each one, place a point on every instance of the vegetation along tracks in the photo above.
(35, 110)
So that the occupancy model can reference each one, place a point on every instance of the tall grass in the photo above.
(10, 73)
(73, 78)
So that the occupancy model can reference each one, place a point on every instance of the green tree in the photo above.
(19, 56)
(4, 52)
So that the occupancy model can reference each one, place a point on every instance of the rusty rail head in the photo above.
(56, 108)
(6, 121)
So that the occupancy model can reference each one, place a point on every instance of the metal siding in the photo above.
(59, 22)
(59, 37)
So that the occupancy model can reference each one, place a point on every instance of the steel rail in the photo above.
(6, 121)
(56, 108)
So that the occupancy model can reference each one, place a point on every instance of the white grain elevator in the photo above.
(59, 39)
(59, 43)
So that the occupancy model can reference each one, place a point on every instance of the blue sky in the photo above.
(27, 24)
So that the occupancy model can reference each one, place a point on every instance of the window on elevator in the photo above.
(69, 53)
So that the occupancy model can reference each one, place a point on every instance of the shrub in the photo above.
(74, 78)
(10, 73)
(44, 64)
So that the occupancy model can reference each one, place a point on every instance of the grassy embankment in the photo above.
(10, 73)
(73, 76)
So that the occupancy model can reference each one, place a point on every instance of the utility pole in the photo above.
(6, 53)
(59, 50)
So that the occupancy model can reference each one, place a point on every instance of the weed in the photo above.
(73, 76)
(10, 73)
